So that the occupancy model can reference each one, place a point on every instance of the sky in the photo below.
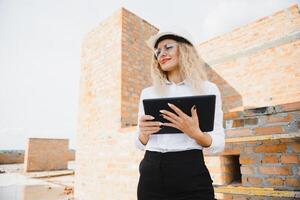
(40, 53)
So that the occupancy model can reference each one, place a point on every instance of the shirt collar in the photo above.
(171, 83)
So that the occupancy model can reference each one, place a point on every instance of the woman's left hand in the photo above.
(188, 125)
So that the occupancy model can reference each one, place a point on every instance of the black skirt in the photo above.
(174, 176)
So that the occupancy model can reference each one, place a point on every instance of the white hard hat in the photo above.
(173, 32)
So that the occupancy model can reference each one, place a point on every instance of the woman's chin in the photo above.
(167, 68)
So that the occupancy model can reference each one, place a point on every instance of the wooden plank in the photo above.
(263, 137)
(256, 191)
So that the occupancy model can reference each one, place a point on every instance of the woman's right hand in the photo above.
(147, 127)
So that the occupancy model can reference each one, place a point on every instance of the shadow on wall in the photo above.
(231, 99)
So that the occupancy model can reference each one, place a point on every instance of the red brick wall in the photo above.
(258, 63)
(268, 149)
(43, 154)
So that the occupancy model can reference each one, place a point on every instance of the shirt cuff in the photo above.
(218, 142)
(138, 143)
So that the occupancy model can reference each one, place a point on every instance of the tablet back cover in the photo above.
(205, 105)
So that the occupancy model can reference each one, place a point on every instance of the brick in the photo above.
(270, 159)
(275, 170)
(275, 181)
(295, 147)
(279, 118)
(231, 152)
(223, 196)
(293, 182)
(253, 180)
(238, 132)
(222, 179)
(287, 140)
(241, 197)
(213, 160)
(251, 121)
(247, 170)
(238, 123)
(270, 148)
(291, 106)
(271, 142)
(219, 169)
(247, 159)
(253, 143)
(268, 130)
(289, 158)
(230, 115)
(248, 150)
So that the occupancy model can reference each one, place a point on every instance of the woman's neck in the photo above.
(175, 77)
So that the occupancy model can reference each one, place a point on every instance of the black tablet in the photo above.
(205, 105)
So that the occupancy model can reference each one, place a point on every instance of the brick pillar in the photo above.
(135, 64)
(113, 72)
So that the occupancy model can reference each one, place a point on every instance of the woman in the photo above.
(173, 166)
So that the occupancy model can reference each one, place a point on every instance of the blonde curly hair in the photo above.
(192, 69)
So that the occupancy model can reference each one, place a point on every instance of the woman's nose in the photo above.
(163, 53)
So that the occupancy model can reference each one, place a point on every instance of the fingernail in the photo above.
(152, 117)
(169, 104)
(161, 111)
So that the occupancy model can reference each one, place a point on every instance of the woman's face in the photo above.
(167, 55)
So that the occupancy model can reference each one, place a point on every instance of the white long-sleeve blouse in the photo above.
(182, 142)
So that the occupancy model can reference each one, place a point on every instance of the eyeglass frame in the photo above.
(165, 48)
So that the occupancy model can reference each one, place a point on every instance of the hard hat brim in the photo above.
(153, 39)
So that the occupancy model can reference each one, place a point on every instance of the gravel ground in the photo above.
(17, 185)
